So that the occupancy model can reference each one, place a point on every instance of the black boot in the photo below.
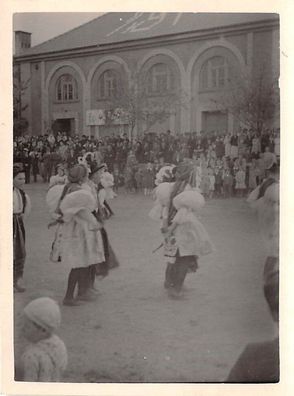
(73, 279)
(169, 276)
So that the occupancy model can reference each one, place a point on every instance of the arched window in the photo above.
(66, 88)
(109, 84)
(214, 73)
(159, 79)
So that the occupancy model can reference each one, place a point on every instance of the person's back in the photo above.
(259, 362)
(45, 357)
(45, 360)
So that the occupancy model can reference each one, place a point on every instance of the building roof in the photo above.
(117, 27)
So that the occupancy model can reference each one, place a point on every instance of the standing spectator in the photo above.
(255, 147)
(109, 158)
(51, 140)
(227, 182)
(139, 153)
(47, 165)
(129, 179)
(139, 179)
(148, 178)
(253, 175)
(218, 182)
(264, 140)
(60, 148)
(240, 182)
(234, 145)
(205, 182)
(27, 165)
(219, 147)
(178, 156)
(35, 164)
(227, 143)
(211, 182)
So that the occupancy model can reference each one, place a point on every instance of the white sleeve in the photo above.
(102, 196)
(28, 207)
(181, 216)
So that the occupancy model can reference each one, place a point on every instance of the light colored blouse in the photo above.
(45, 361)
(18, 203)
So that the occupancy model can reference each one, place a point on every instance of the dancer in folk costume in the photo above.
(21, 208)
(240, 182)
(60, 177)
(265, 200)
(211, 175)
(106, 193)
(82, 244)
(110, 262)
(185, 238)
(205, 182)
(148, 178)
(139, 179)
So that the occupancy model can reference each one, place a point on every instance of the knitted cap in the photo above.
(44, 312)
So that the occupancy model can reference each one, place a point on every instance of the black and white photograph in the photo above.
(146, 197)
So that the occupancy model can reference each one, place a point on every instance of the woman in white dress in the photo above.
(82, 244)
(185, 238)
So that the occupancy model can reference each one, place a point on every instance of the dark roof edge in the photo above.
(181, 36)
(22, 31)
(68, 31)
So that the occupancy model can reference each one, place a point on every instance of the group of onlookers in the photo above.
(226, 164)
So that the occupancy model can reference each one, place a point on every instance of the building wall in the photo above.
(72, 109)
(26, 96)
(262, 52)
(36, 114)
(245, 50)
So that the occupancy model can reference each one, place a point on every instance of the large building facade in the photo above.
(73, 77)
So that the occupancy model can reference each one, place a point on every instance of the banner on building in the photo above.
(117, 116)
(95, 117)
(106, 117)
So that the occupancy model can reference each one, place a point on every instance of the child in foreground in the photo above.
(45, 358)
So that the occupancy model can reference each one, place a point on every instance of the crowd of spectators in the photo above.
(225, 164)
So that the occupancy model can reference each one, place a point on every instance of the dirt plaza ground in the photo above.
(134, 332)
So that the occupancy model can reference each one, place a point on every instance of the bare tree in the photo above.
(252, 99)
(133, 104)
(20, 124)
